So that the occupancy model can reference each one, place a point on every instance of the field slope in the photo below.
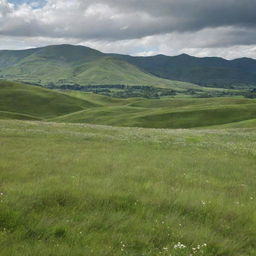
(166, 113)
(37, 102)
(98, 190)
(19, 101)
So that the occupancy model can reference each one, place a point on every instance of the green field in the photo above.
(85, 174)
(77, 189)
(19, 101)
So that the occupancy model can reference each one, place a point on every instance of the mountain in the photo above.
(112, 71)
(68, 64)
(51, 64)
(209, 71)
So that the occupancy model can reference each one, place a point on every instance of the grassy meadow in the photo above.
(79, 189)
(86, 174)
(27, 102)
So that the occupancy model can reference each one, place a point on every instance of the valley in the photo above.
(22, 101)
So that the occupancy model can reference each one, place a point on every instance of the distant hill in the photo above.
(68, 64)
(210, 71)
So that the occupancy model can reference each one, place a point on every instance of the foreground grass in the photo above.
(71, 189)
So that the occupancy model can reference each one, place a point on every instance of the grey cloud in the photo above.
(195, 14)
(140, 18)
(191, 23)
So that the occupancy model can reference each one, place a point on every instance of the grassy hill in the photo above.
(97, 190)
(63, 53)
(70, 187)
(19, 101)
(108, 70)
(16, 116)
(67, 64)
(36, 102)
(175, 114)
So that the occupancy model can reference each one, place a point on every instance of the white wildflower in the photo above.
(179, 245)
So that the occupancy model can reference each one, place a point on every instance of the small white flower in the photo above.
(179, 245)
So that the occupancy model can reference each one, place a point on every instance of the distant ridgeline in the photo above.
(83, 68)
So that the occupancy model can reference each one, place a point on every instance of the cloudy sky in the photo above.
(225, 28)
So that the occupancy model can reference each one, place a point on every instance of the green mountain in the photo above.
(210, 71)
(112, 71)
(67, 65)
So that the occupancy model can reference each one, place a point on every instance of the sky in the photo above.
(224, 28)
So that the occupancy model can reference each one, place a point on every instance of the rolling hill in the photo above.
(68, 64)
(19, 101)
(178, 113)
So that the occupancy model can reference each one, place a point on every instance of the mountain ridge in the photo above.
(57, 62)
(111, 53)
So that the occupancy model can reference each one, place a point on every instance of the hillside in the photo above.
(67, 64)
(170, 113)
(210, 71)
(112, 71)
(52, 64)
(19, 101)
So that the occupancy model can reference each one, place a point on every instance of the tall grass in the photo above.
(68, 189)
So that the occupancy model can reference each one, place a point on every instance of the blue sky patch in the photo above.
(35, 3)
